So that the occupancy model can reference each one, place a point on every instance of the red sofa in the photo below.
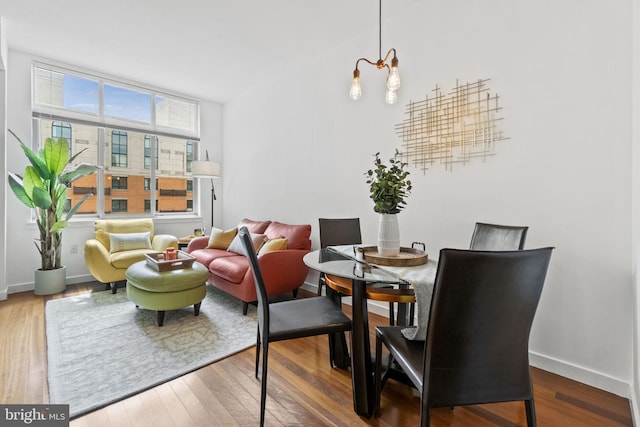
(283, 270)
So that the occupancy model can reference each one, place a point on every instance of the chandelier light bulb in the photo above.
(391, 97)
(393, 81)
(356, 90)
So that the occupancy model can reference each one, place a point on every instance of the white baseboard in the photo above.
(20, 287)
(580, 374)
(82, 278)
(556, 366)
(635, 410)
(29, 286)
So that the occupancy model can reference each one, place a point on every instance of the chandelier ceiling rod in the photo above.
(393, 77)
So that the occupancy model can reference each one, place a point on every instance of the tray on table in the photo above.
(183, 260)
(408, 257)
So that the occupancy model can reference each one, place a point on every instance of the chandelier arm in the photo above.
(388, 53)
(365, 60)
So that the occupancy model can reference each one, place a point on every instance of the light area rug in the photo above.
(102, 349)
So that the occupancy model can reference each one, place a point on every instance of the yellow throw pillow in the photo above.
(273, 245)
(221, 239)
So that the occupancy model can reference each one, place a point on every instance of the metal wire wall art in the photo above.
(451, 128)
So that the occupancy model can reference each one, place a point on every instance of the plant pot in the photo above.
(388, 235)
(49, 282)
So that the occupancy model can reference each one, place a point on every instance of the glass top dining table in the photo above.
(336, 263)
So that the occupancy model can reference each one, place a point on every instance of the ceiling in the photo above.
(210, 49)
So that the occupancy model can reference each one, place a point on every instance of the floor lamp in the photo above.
(207, 169)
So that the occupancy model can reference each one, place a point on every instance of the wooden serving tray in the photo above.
(184, 260)
(408, 257)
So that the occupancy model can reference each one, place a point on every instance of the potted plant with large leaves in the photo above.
(43, 187)
(389, 187)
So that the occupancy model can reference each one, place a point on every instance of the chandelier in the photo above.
(393, 76)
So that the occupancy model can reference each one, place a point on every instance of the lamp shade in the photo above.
(205, 169)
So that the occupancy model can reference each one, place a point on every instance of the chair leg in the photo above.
(338, 350)
(412, 313)
(425, 416)
(263, 391)
(320, 284)
(295, 293)
(392, 315)
(257, 352)
(245, 307)
(331, 355)
(531, 412)
(377, 377)
(114, 287)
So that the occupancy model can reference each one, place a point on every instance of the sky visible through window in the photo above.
(81, 94)
(109, 102)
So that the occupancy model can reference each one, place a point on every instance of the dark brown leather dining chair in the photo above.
(336, 232)
(496, 237)
(476, 350)
(346, 231)
(288, 319)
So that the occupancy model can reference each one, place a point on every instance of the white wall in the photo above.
(22, 256)
(3, 158)
(297, 148)
(635, 389)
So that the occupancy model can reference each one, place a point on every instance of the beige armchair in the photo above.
(120, 243)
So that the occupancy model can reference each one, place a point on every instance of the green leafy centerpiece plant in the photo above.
(43, 187)
(389, 187)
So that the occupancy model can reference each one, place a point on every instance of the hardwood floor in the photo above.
(303, 389)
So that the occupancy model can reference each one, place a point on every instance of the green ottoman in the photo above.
(166, 290)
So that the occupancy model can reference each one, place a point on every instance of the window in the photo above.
(118, 205)
(147, 184)
(119, 183)
(147, 151)
(119, 149)
(128, 104)
(112, 123)
(147, 205)
(189, 155)
(62, 130)
(176, 115)
(61, 92)
(58, 90)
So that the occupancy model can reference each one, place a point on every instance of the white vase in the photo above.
(388, 235)
(49, 282)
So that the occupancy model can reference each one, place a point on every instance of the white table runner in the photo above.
(421, 278)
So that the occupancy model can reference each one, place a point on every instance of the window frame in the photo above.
(105, 124)
(120, 144)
